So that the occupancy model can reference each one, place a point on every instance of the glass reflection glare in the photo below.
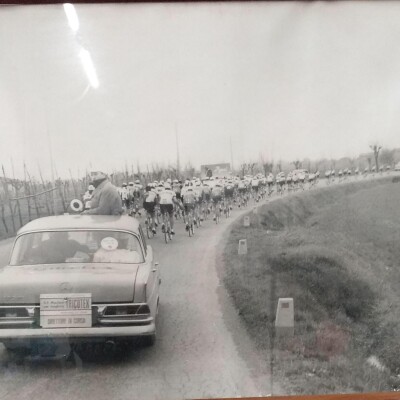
(72, 17)
(89, 68)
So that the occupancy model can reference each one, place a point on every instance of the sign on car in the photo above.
(60, 310)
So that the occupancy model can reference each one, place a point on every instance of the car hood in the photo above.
(106, 282)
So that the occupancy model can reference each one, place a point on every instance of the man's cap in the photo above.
(97, 175)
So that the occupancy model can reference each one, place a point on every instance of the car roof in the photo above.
(76, 221)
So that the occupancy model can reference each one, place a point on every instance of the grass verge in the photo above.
(334, 251)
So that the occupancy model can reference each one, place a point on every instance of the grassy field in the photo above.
(336, 252)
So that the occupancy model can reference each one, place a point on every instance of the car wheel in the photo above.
(149, 341)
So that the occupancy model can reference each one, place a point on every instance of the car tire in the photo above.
(148, 341)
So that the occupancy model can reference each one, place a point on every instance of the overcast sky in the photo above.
(289, 80)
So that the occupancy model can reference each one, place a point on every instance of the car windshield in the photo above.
(76, 247)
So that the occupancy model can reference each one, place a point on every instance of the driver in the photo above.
(58, 248)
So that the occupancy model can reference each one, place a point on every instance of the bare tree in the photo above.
(387, 157)
(242, 169)
(250, 167)
(376, 149)
(297, 164)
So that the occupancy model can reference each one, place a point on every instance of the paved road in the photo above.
(202, 349)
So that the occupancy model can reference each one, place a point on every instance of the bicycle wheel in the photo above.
(169, 233)
(149, 232)
(192, 228)
(165, 225)
(166, 234)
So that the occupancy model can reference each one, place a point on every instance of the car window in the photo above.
(77, 247)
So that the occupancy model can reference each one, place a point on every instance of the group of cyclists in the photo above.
(193, 200)
(196, 200)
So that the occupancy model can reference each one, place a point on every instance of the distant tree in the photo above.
(376, 149)
(252, 167)
(243, 169)
(279, 165)
(387, 157)
(266, 166)
(297, 164)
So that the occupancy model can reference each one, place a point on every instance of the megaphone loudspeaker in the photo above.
(76, 205)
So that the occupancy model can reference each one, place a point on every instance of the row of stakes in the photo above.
(284, 320)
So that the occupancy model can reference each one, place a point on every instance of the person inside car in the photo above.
(58, 248)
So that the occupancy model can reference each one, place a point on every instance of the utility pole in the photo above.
(52, 168)
(178, 166)
(230, 142)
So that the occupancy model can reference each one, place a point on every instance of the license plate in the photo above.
(73, 310)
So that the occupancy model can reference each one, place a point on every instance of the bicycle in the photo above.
(190, 222)
(217, 216)
(166, 227)
(227, 211)
(148, 223)
(204, 211)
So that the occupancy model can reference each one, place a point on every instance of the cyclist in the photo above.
(207, 196)
(198, 190)
(149, 204)
(167, 199)
(123, 192)
(159, 188)
(255, 183)
(87, 197)
(131, 191)
(138, 190)
(292, 180)
(216, 196)
(189, 203)
(229, 190)
(270, 182)
(177, 188)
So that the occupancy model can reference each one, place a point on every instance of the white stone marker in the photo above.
(246, 221)
(242, 249)
(284, 321)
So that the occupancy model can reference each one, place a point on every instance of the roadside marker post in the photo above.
(284, 320)
(242, 249)
(246, 221)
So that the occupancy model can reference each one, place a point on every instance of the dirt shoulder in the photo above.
(334, 250)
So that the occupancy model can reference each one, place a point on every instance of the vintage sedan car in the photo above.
(79, 277)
